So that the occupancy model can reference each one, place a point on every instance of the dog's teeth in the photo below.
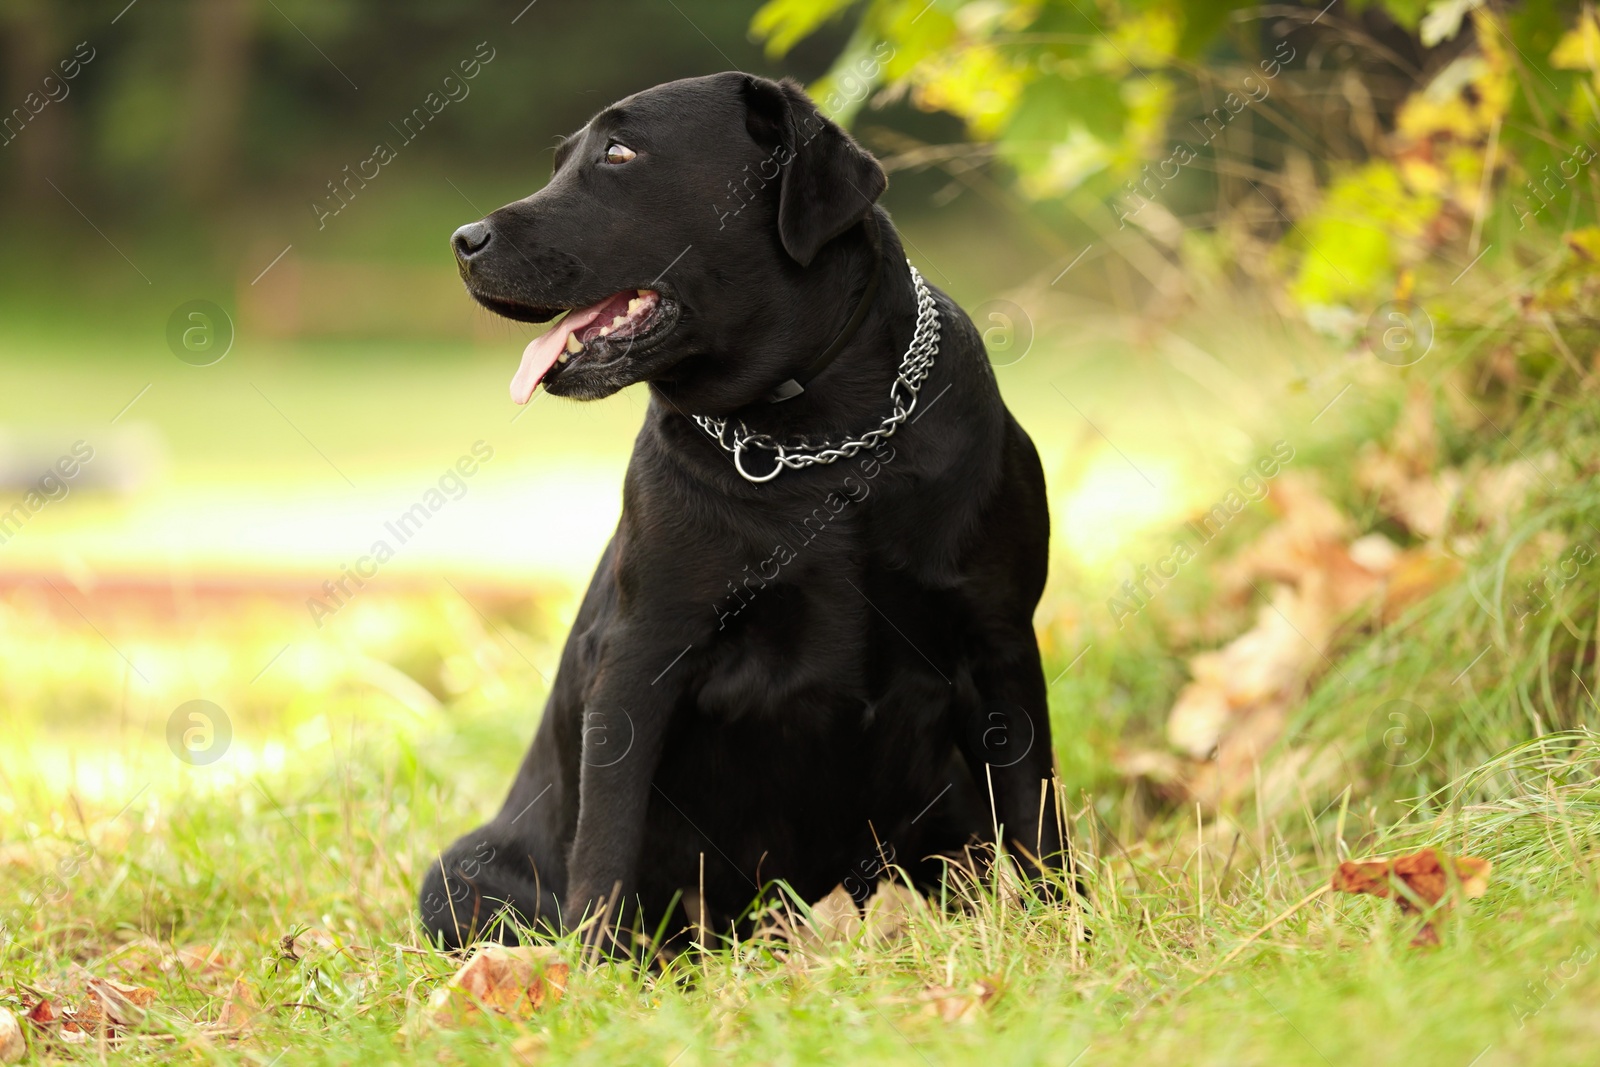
(634, 305)
(605, 330)
(641, 292)
(574, 345)
(562, 358)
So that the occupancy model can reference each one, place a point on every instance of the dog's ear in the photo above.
(827, 182)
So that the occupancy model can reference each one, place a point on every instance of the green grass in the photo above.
(335, 839)
(361, 748)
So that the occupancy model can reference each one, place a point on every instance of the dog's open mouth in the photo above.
(620, 323)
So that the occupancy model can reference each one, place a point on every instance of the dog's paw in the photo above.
(470, 893)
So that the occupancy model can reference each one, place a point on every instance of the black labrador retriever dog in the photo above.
(807, 652)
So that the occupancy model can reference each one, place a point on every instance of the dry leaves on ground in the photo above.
(13, 1046)
(105, 1008)
(833, 919)
(510, 981)
(837, 920)
(1315, 576)
(239, 1007)
(1443, 503)
(1419, 883)
(83, 1006)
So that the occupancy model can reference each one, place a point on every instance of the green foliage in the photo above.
(1080, 101)
(1365, 223)
(1065, 89)
(785, 23)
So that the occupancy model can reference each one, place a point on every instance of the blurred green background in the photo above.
(187, 162)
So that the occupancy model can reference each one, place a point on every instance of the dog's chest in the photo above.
(829, 638)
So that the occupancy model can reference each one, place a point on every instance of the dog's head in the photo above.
(677, 226)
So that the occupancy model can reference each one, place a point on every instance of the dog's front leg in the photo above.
(1011, 754)
(625, 721)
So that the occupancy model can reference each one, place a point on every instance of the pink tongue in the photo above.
(542, 351)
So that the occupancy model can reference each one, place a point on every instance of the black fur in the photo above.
(798, 680)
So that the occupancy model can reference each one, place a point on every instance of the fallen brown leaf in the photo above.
(13, 1045)
(1420, 502)
(1417, 574)
(1500, 492)
(515, 982)
(1319, 579)
(889, 912)
(123, 1005)
(110, 1006)
(1403, 472)
(960, 1005)
(1161, 769)
(1199, 716)
(54, 1024)
(834, 918)
(240, 1006)
(1418, 882)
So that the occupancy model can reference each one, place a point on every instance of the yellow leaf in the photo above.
(1579, 49)
(785, 23)
(1585, 244)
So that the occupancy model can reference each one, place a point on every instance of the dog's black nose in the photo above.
(471, 239)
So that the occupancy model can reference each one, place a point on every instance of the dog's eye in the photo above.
(618, 153)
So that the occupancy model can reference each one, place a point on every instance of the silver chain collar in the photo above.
(914, 368)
